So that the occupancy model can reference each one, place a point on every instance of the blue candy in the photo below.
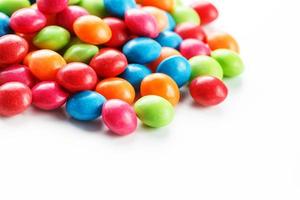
(134, 74)
(142, 50)
(85, 106)
(178, 68)
(169, 39)
(119, 7)
(4, 24)
(172, 24)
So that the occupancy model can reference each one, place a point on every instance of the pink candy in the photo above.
(193, 47)
(52, 6)
(17, 73)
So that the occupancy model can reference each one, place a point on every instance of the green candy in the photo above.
(205, 66)
(10, 6)
(94, 7)
(52, 37)
(154, 111)
(80, 53)
(183, 14)
(230, 61)
(74, 2)
(179, 3)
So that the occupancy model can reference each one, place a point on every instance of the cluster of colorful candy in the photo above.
(49, 57)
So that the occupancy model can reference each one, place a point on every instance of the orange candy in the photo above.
(44, 64)
(160, 16)
(222, 41)
(92, 29)
(167, 5)
(116, 88)
(161, 85)
(166, 52)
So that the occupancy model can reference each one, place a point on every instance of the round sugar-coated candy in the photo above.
(205, 66)
(119, 117)
(171, 22)
(4, 24)
(52, 37)
(192, 47)
(169, 39)
(120, 33)
(52, 6)
(206, 11)
(190, 30)
(85, 105)
(142, 50)
(119, 7)
(15, 98)
(68, 16)
(10, 6)
(80, 53)
(159, 15)
(27, 21)
(44, 64)
(109, 63)
(208, 90)
(221, 40)
(116, 88)
(73, 2)
(94, 7)
(141, 23)
(154, 111)
(161, 85)
(135, 74)
(17, 73)
(230, 61)
(13, 49)
(48, 95)
(76, 77)
(166, 52)
(183, 14)
(92, 29)
(178, 68)
(167, 5)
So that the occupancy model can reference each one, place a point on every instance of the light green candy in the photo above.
(80, 53)
(10, 6)
(52, 37)
(154, 111)
(230, 61)
(179, 3)
(205, 66)
(94, 7)
(183, 14)
(74, 2)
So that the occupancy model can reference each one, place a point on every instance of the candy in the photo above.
(44, 64)
(191, 31)
(13, 49)
(134, 74)
(52, 6)
(154, 111)
(161, 85)
(85, 106)
(120, 32)
(10, 6)
(206, 11)
(15, 98)
(171, 22)
(141, 23)
(92, 29)
(159, 15)
(80, 53)
(205, 66)
(17, 73)
(167, 5)
(208, 90)
(76, 77)
(142, 50)
(169, 39)
(178, 68)
(4, 24)
(166, 52)
(221, 40)
(119, 7)
(192, 47)
(116, 88)
(183, 14)
(48, 95)
(94, 7)
(230, 61)
(119, 117)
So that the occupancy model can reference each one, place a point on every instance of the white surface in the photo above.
(246, 148)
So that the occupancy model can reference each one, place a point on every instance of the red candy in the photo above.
(109, 63)
(192, 47)
(13, 49)
(77, 77)
(208, 90)
(48, 95)
(15, 98)
(207, 11)
(190, 30)
(17, 73)
(120, 32)
(52, 6)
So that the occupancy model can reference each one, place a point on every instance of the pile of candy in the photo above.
(100, 57)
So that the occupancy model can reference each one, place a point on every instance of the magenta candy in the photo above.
(52, 6)
(48, 95)
(119, 117)
(17, 73)
(193, 47)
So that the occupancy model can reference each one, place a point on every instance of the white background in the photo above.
(246, 148)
